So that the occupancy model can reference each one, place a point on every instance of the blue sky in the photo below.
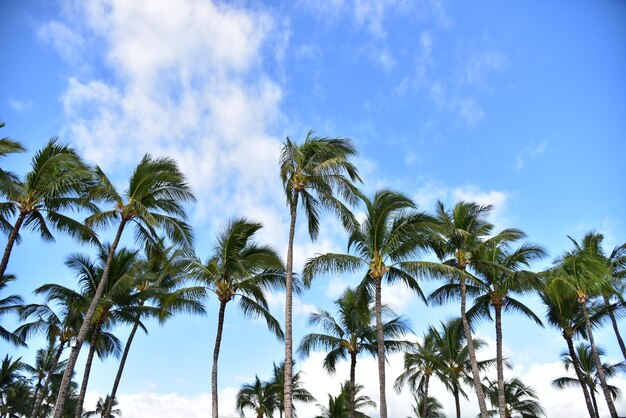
(519, 104)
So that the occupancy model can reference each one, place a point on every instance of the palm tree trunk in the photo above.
(472, 353)
(216, 355)
(499, 366)
(83, 387)
(288, 311)
(579, 374)
(12, 238)
(595, 403)
(457, 400)
(620, 341)
(381, 348)
(44, 389)
(598, 363)
(84, 328)
(352, 384)
(425, 406)
(120, 369)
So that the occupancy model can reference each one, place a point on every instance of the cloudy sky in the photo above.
(518, 104)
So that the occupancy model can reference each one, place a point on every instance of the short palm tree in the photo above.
(101, 406)
(462, 232)
(501, 274)
(313, 174)
(299, 393)
(15, 391)
(583, 358)
(445, 355)
(154, 200)
(55, 183)
(243, 269)
(351, 334)
(158, 281)
(584, 272)
(339, 406)
(386, 245)
(259, 396)
(521, 401)
(426, 407)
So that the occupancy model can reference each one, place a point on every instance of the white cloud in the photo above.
(19, 105)
(529, 154)
(66, 41)
(469, 109)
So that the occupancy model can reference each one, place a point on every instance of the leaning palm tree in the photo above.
(351, 334)
(586, 273)
(501, 274)
(385, 244)
(299, 393)
(158, 282)
(259, 396)
(11, 303)
(462, 232)
(521, 401)
(565, 314)
(312, 174)
(54, 184)
(243, 269)
(583, 358)
(154, 200)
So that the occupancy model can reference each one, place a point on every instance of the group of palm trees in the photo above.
(392, 242)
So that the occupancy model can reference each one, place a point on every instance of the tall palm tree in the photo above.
(11, 303)
(312, 174)
(617, 263)
(521, 401)
(385, 244)
(586, 274)
(299, 393)
(351, 334)
(157, 281)
(501, 273)
(590, 379)
(101, 407)
(239, 268)
(564, 313)
(8, 180)
(258, 396)
(116, 304)
(339, 406)
(462, 232)
(54, 184)
(445, 355)
(154, 200)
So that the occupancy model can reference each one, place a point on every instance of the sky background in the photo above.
(516, 104)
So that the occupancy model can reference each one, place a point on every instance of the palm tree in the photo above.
(101, 407)
(54, 184)
(158, 278)
(564, 313)
(153, 200)
(339, 406)
(521, 401)
(586, 274)
(385, 244)
(617, 263)
(46, 364)
(427, 407)
(116, 304)
(8, 180)
(500, 274)
(591, 378)
(445, 355)
(239, 268)
(351, 334)
(462, 233)
(258, 396)
(14, 388)
(312, 173)
(299, 393)
(11, 303)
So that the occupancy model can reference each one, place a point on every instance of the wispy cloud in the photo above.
(529, 154)
(19, 105)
